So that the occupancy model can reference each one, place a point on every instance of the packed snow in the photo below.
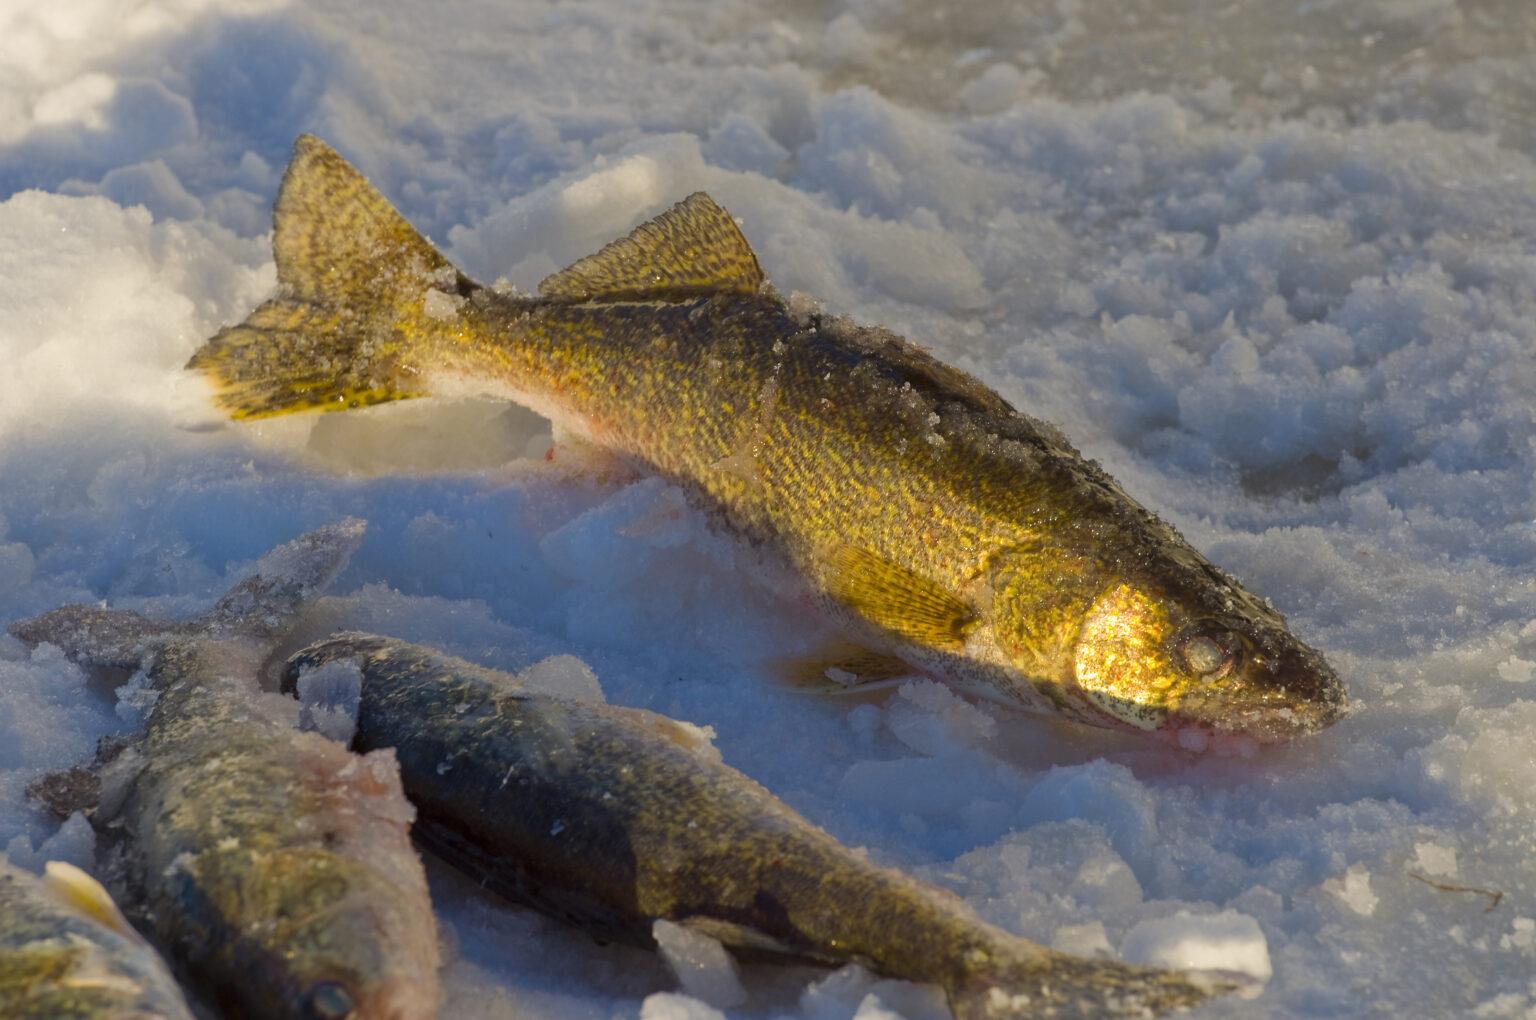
(1273, 264)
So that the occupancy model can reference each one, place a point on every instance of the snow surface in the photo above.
(1273, 263)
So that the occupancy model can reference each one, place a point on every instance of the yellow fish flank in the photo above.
(942, 529)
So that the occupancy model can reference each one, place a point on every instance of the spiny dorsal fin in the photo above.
(692, 249)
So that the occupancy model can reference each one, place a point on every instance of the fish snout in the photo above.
(1299, 694)
(398, 998)
(1295, 693)
(1310, 694)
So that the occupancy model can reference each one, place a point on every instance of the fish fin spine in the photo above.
(691, 250)
(86, 896)
(362, 296)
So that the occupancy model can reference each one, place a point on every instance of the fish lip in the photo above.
(1299, 694)
(1275, 717)
(1261, 724)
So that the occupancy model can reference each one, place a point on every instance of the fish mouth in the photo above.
(1297, 694)
(399, 1000)
(1301, 695)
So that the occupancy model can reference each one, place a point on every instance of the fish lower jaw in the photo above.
(1240, 735)
(1182, 731)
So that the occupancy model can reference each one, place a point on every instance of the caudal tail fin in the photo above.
(261, 606)
(361, 295)
(1057, 985)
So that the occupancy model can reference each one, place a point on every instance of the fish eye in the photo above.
(330, 1000)
(1205, 656)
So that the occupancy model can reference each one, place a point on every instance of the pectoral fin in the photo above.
(898, 600)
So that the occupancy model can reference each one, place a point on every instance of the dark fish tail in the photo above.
(259, 606)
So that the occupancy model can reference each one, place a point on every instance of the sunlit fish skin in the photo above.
(66, 954)
(938, 525)
(612, 818)
(274, 866)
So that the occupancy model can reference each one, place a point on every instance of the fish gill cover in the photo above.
(1276, 270)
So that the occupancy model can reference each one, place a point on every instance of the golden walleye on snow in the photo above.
(946, 532)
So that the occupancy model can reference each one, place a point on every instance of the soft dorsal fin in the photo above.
(693, 248)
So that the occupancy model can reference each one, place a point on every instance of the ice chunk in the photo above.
(154, 186)
(441, 305)
(1521, 936)
(996, 89)
(136, 697)
(671, 1006)
(740, 143)
(872, 1008)
(1353, 888)
(82, 101)
(1082, 939)
(701, 964)
(330, 695)
(1435, 859)
(74, 841)
(1474, 760)
(1101, 792)
(1517, 670)
(853, 991)
(931, 719)
(846, 41)
(651, 513)
(563, 676)
(1225, 941)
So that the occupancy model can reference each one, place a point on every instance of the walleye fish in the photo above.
(612, 818)
(934, 522)
(66, 953)
(274, 865)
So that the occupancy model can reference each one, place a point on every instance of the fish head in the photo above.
(340, 949)
(329, 908)
(1176, 648)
